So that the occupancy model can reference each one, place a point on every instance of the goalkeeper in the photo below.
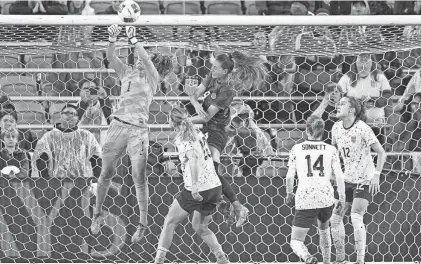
(128, 131)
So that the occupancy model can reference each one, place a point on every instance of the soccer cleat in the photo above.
(311, 260)
(97, 221)
(139, 234)
(242, 216)
(222, 260)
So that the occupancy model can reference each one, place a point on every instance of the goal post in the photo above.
(44, 60)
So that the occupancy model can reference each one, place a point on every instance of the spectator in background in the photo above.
(270, 8)
(94, 108)
(68, 151)
(413, 87)
(247, 139)
(112, 9)
(37, 7)
(27, 141)
(13, 156)
(365, 81)
(340, 7)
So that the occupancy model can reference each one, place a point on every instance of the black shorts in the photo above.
(217, 136)
(206, 207)
(305, 218)
(353, 191)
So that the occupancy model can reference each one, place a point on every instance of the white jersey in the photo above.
(207, 178)
(354, 145)
(315, 163)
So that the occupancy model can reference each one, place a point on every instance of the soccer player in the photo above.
(202, 188)
(314, 162)
(128, 130)
(354, 140)
(219, 89)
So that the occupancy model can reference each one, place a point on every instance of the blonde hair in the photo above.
(315, 126)
(180, 121)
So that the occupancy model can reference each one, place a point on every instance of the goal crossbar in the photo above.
(222, 20)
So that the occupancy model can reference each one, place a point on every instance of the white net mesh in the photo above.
(44, 67)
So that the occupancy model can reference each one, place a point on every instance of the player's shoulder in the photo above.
(361, 125)
(338, 125)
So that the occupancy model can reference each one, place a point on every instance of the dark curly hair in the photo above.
(163, 64)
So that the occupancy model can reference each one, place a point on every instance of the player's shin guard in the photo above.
(226, 187)
(142, 195)
(360, 235)
(338, 235)
(102, 190)
(220, 256)
(160, 255)
(325, 245)
(300, 249)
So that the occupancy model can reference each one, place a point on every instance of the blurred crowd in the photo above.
(388, 83)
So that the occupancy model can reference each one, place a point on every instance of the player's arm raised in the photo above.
(292, 170)
(194, 169)
(151, 72)
(116, 64)
(194, 98)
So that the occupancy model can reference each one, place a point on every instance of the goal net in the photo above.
(47, 61)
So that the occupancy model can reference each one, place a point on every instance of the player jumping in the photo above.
(314, 162)
(128, 130)
(354, 140)
(202, 188)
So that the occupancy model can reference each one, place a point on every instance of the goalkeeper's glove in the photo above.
(131, 34)
(113, 32)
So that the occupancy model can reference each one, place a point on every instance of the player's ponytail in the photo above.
(249, 71)
(185, 128)
(359, 107)
(163, 64)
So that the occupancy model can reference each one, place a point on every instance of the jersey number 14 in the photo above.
(318, 165)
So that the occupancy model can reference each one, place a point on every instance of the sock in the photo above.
(221, 258)
(226, 187)
(360, 235)
(338, 235)
(142, 195)
(300, 249)
(160, 255)
(325, 245)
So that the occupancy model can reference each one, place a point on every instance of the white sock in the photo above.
(360, 235)
(325, 245)
(338, 235)
(221, 258)
(160, 255)
(300, 249)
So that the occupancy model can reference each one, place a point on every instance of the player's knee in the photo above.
(357, 219)
(200, 229)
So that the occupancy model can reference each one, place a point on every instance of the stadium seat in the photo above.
(5, 6)
(18, 86)
(38, 61)
(149, 7)
(30, 113)
(223, 7)
(251, 7)
(100, 5)
(182, 8)
(48, 89)
(8, 61)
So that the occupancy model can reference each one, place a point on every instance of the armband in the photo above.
(133, 40)
(112, 39)
(289, 189)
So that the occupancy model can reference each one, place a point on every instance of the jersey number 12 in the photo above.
(318, 165)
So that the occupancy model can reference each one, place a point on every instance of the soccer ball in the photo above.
(129, 11)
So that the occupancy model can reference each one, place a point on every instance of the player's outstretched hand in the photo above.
(374, 186)
(113, 31)
(341, 206)
(290, 197)
(196, 195)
